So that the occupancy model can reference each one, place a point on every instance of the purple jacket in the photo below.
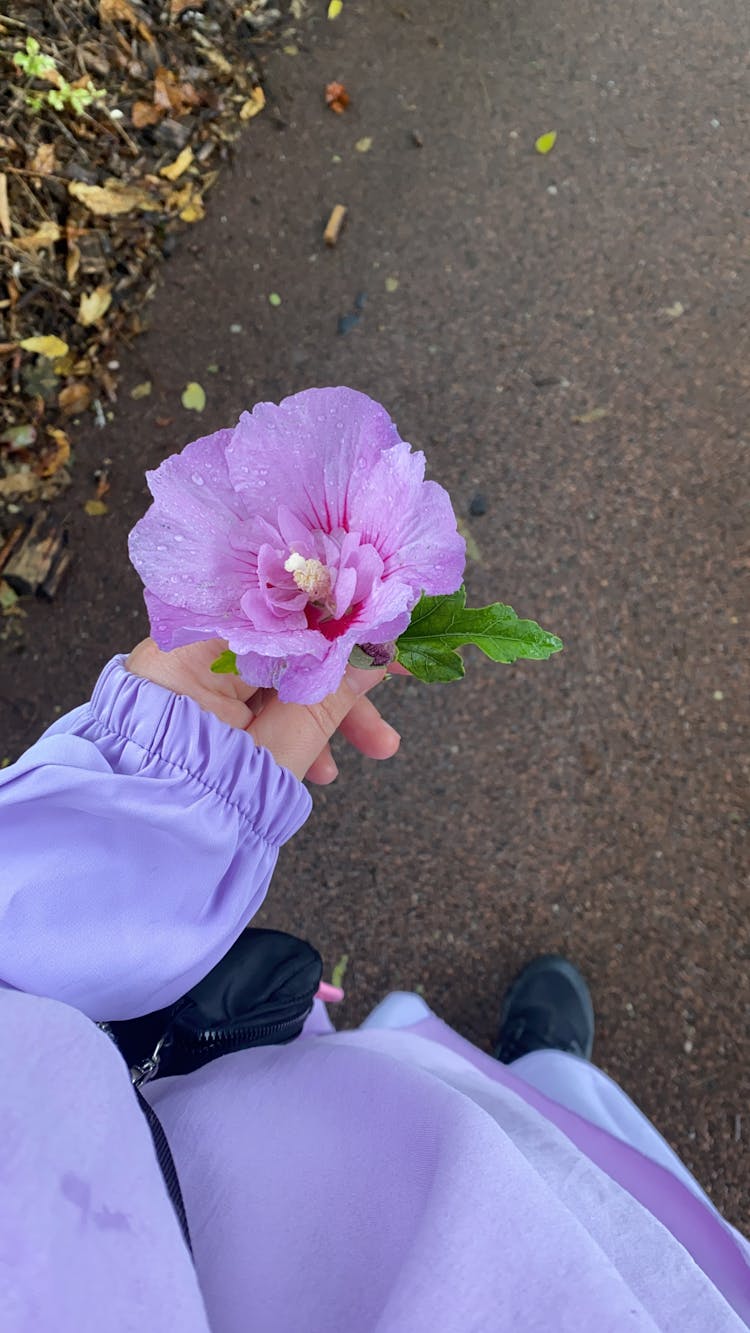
(393, 1182)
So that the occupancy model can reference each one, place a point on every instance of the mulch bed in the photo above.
(115, 117)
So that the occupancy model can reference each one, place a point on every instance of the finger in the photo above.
(324, 769)
(368, 732)
(296, 733)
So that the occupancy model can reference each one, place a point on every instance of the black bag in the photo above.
(258, 995)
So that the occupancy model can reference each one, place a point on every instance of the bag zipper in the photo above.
(214, 1039)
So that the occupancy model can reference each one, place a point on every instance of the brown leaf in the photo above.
(171, 95)
(176, 7)
(145, 113)
(44, 161)
(119, 11)
(337, 98)
(4, 212)
(74, 398)
(56, 456)
(113, 199)
(42, 239)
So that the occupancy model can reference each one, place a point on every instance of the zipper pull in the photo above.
(148, 1068)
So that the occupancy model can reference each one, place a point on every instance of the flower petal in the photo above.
(181, 547)
(174, 626)
(311, 446)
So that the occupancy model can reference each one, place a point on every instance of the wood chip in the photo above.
(32, 562)
(4, 211)
(334, 225)
(10, 544)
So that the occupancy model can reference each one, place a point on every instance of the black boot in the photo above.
(548, 1007)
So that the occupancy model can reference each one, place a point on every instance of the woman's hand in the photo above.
(297, 735)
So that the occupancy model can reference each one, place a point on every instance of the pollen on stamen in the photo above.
(311, 576)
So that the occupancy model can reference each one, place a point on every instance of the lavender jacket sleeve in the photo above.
(139, 836)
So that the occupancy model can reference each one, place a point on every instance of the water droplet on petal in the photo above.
(179, 537)
(197, 479)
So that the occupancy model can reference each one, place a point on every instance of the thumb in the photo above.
(296, 733)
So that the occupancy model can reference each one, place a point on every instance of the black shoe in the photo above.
(548, 1007)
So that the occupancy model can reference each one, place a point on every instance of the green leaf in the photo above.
(441, 625)
(193, 397)
(546, 142)
(225, 664)
(339, 971)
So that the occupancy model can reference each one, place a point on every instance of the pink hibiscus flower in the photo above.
(306, 530)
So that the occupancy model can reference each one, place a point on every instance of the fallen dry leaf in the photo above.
(44, 160)
(55, 457)
(93, 305)
(41, 239)
(46, 345)
(337, 98)
(171, 95)
(254, 104)
(176, 7)
(4, 212)
(18, 483)
(96, 508)
(119, 11)
(675, 311)
(111, 200)
(175, 169)
(188, 202)
(587, 418)
(145, 113)
(74, 399)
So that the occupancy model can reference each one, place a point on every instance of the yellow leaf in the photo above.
(334, 8)
(391, 284)
(111, 200)
(141, 390)
(546, 142)
(363, 145)
(587, 418)
(93, 305)
(180, 164)
(193, 397)
(41, 239)
(49, 346)
(95, 508)
(193, 210)
(255, 103)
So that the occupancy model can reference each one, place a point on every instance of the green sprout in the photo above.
(32, 62)
(61, 98)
